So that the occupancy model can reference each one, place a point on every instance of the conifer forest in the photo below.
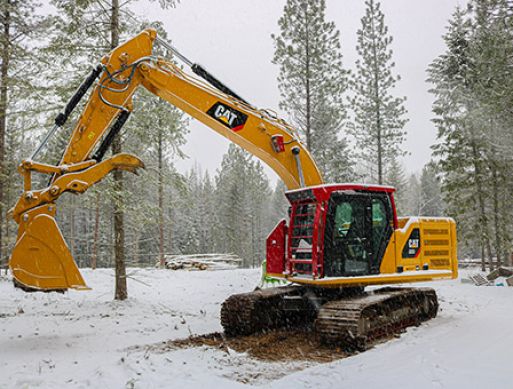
(349, 115)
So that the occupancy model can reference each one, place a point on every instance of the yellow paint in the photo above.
(438, 247)
(41, 259)
(393, 278)
(195, 97)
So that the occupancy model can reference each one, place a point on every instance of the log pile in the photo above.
(201, 262)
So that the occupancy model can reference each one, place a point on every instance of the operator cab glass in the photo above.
(358, 228)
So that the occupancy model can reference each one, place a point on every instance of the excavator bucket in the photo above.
(41, 260)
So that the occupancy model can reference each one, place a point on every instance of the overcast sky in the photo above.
(231, 38)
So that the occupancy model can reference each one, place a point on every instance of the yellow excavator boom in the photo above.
(41, 259)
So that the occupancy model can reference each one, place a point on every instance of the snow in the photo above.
(418, 219)
(84, 339)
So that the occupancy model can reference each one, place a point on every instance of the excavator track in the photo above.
(358, 321)
(352, 319)
(266, 309)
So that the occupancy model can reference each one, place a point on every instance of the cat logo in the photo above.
(228, 116)
(411, 248)
(413, 243)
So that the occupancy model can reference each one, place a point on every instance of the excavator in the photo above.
(339, 239)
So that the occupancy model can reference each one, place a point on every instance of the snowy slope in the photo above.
(84, 339)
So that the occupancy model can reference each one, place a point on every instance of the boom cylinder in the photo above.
(62, 117)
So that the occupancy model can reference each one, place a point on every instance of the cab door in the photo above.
(382, 228)
(348, 235)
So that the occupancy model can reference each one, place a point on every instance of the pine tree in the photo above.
(242, 194)
(396, 177)
(278, 206)
(472, 88)
(162, 128)
(412, 197)
(449, 75)
(431, 193)
(312, 82)
(231, 184)
(258, 195)
(379, 116)
(491, 50)
(206, 214)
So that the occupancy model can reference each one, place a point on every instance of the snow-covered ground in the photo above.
(84, 339)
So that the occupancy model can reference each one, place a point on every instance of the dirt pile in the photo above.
(278, 345)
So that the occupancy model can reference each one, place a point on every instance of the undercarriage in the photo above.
(350, 318)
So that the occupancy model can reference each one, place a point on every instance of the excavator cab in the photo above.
(349, 234)
(333, 232)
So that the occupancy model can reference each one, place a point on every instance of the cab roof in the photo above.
(323, 192)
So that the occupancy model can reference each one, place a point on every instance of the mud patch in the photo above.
(254, 359)
(272, 346)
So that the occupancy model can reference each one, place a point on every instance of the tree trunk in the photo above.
(483, 220)
(72, 226)
(7, 197)
(376, 75)
(3, 111)
(496, 216)
(138, 256)
(380, 143)
(504, 223)
(489, 252)
(483, 260)
(121, 292)
(308, 130)
(96, 233)
(161, 199)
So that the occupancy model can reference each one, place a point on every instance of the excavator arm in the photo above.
(41, 259)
